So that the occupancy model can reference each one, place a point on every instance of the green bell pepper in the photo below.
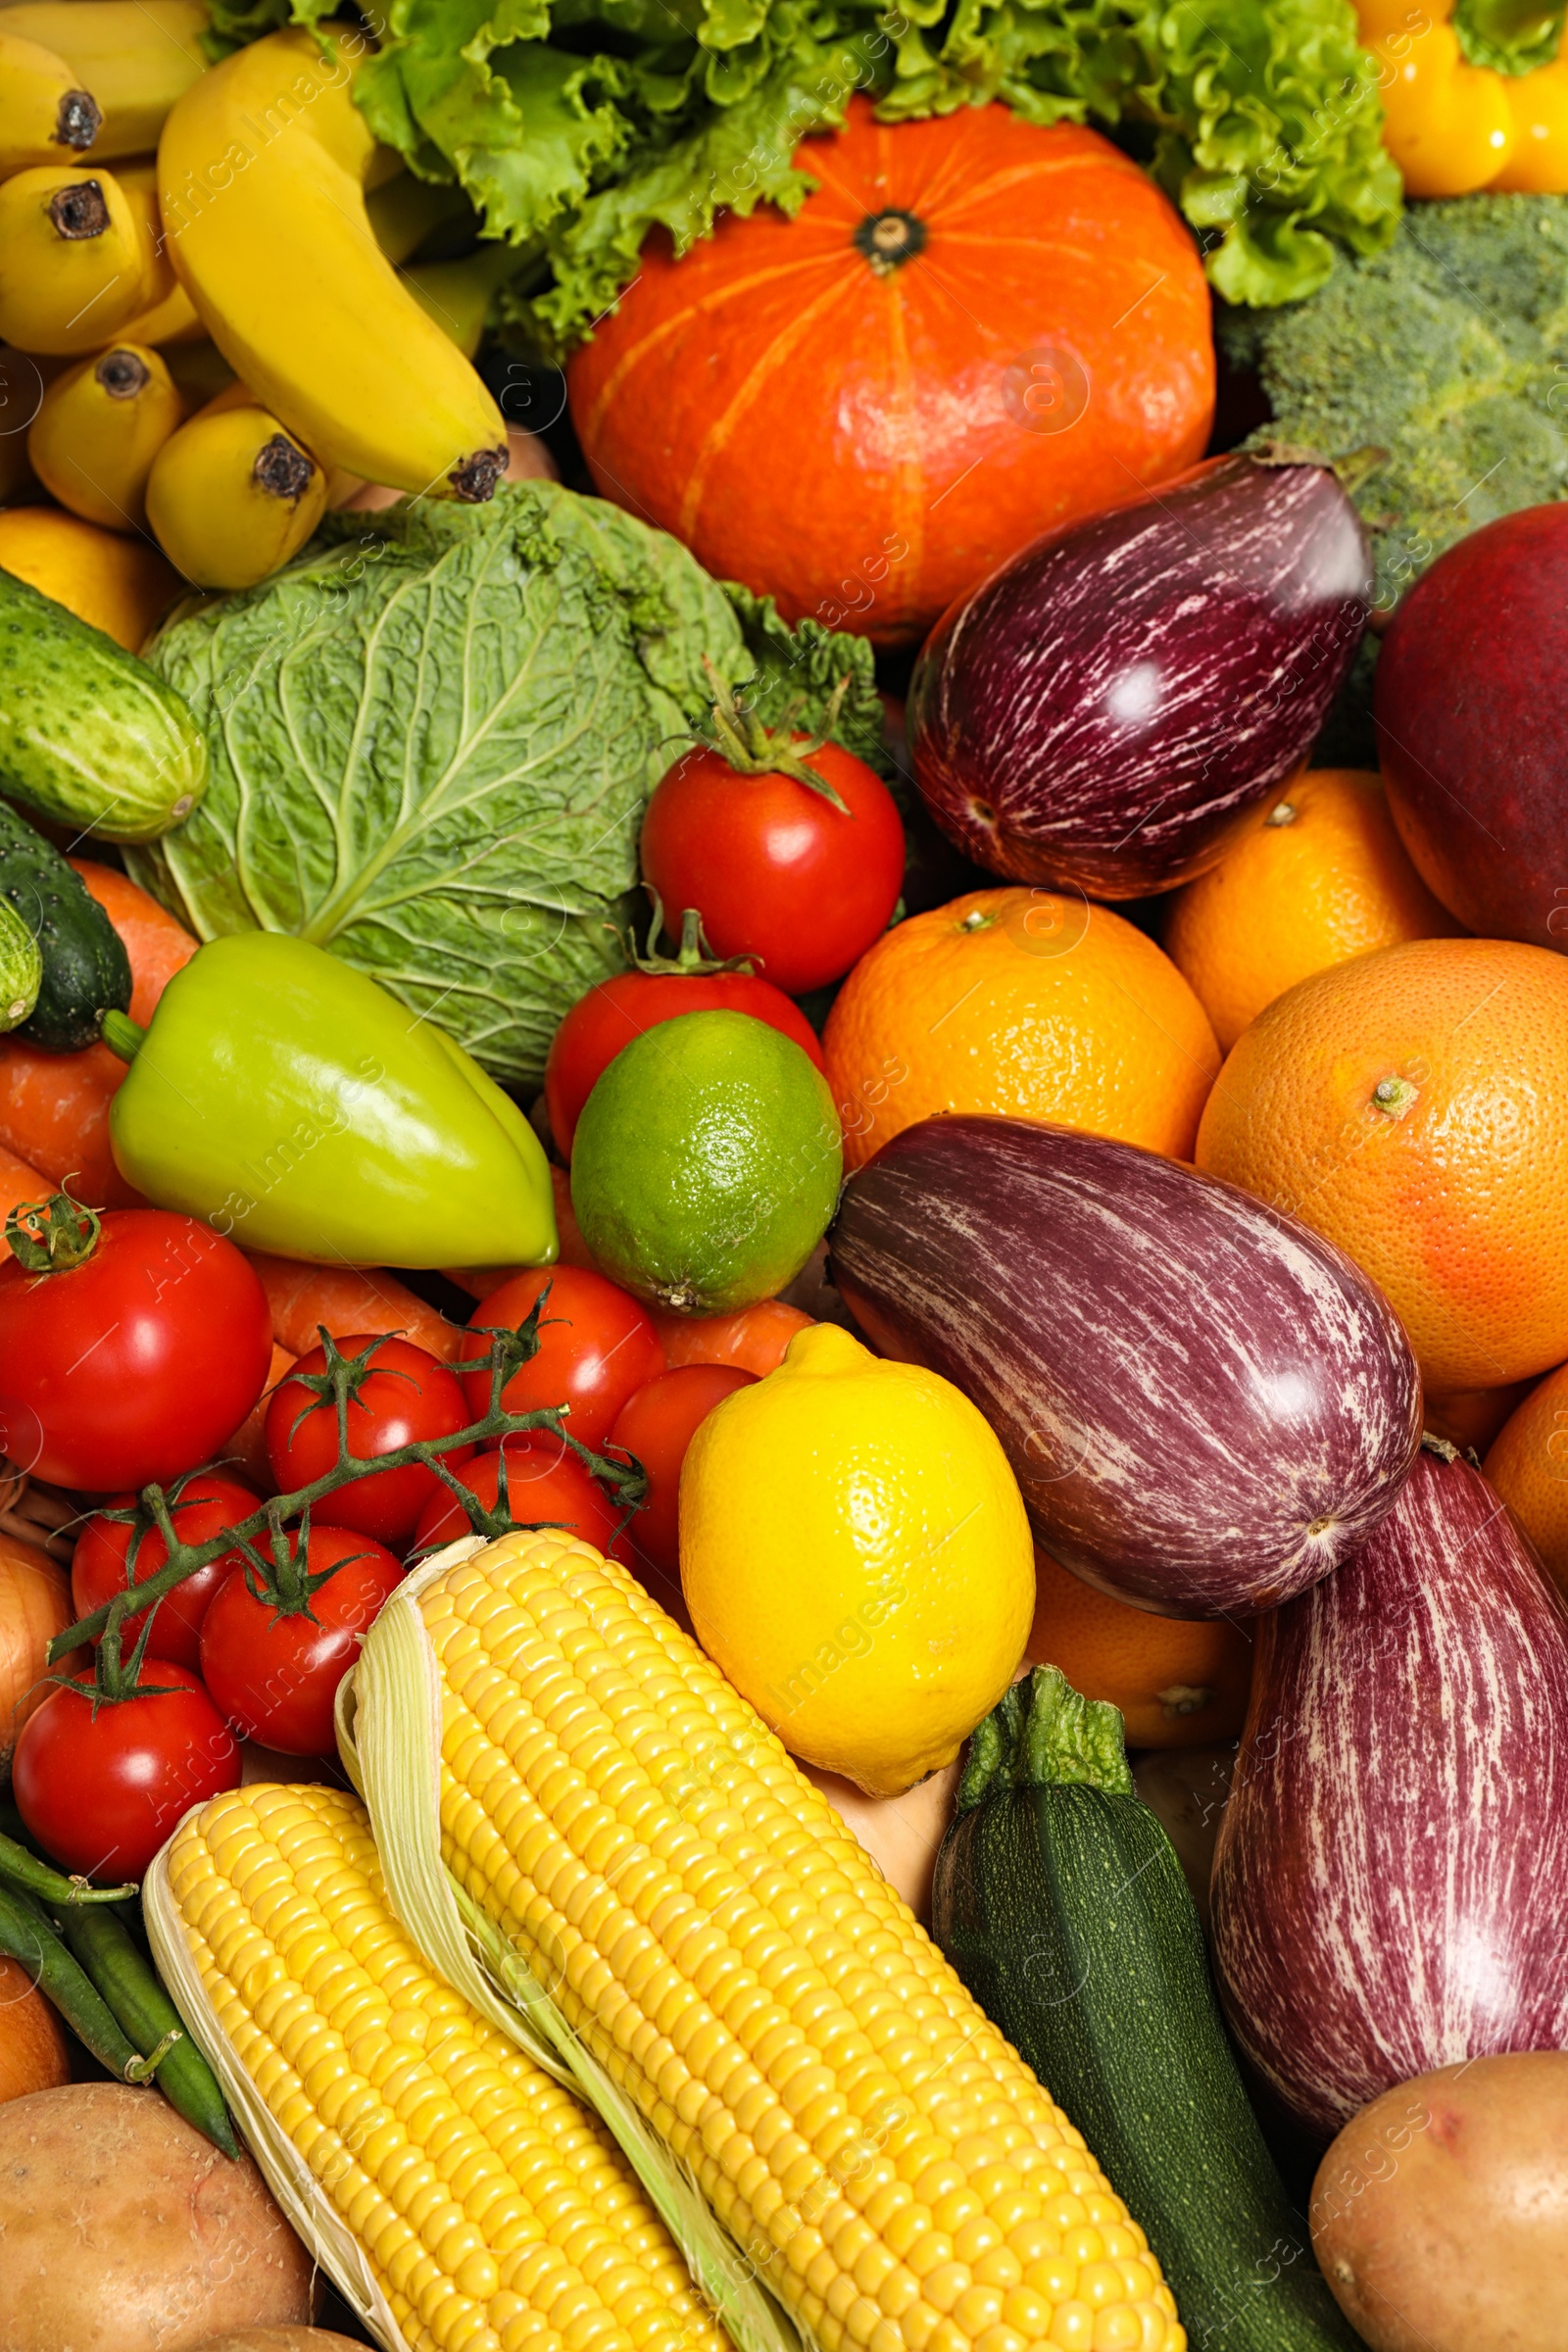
(295, 1106)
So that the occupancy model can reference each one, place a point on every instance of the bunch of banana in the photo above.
(264, 167)
(44, 114)
(136, 57)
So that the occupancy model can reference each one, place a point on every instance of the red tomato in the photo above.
(612, 1014)
(275, 1677)
(657, 1425)
(405, 1394)
(545, 1483)
(773, 869)
(206, 1505)
(136, 1364)
(102, 1791)
(596, 1346)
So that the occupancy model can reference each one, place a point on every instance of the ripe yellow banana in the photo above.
(101, 425)
(263, 166)
(232, 496)
(76, 259)
(135, 56)
(44, 115)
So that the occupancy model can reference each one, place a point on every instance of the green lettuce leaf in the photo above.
(578, 127)
(433, 737)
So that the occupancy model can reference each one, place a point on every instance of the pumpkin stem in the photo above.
(744, 744)
(890, 239)
(1045, 1735)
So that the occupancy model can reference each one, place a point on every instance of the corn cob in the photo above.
(458, 2195)
(634, 1859)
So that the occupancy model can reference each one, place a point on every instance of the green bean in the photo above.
(19, 1867)
(29, 1938)
(117, 1965)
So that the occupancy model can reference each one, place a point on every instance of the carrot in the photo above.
(480, 1281)
(246, 1450)
(349, 1299)
(54, 1114)
(17, 1183)
(754, 1339)
(158, 945)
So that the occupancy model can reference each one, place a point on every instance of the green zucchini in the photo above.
(88, 735)
(86, 971)
(1059, 1900)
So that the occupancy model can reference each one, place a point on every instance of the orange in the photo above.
(121, 586)
(1470, 1418)
(1179, 1683)
(1412, 1104)
(1315, 876)
(1527, 1464)
(1025, 1004)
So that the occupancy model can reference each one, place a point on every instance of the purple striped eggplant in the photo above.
(1207, 1406)
(1389, 1875)
(1104, 710)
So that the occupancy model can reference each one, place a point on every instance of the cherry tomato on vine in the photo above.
(596, 1344)
(131, 1345)
(273, 1675)
(101, 1790)
(404, 1393)
(773, 869)
(657, 1425)
(546, 1483)
(620, 1008)
(205, 1503)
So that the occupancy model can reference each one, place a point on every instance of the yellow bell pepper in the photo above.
(1453, 126)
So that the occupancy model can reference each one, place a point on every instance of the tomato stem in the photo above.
(744, 744)
(50, 1237)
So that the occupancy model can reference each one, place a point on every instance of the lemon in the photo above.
(855, 1557)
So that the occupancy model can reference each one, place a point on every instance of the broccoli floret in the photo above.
(1450, 351)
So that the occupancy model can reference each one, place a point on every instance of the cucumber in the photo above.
(88, 735)
(86, 971)
(21, 967)
(1059, 1900)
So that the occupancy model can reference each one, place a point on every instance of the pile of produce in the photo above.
(783, 1333)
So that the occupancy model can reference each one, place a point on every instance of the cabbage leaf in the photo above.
(432, 736)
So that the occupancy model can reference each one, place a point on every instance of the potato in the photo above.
(281, 2339)
(122, 2230)
(1439, 2215)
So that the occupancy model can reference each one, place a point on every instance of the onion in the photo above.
(35, 1606)
(1104, 710)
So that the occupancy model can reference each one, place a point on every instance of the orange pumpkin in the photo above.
(975, 330)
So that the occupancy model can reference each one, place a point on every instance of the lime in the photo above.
(706, 1164)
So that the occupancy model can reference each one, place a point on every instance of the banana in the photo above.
(76, 259)
(101, 425)
(404, 212)
(457, 294)
(44, 116)
(137, 57)
(232, 496)
(263, 167)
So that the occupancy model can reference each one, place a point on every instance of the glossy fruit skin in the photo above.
(1024, 1004)
(616, 1011)
(275, 1678)
(1206, 1406)
(406, 1395)
(773, 869)
(855, 1558)
(1527, 1462)
(135, 1364)
(1178, 1682)
(1104, 710)
(795, 418)
(208, 1502)
(657, 1425)
(101, 1792)
(1412, 1106)
(1312, 878)
(1400, 1796)
(1470, 702)
(545, 1485)
(596, 1346)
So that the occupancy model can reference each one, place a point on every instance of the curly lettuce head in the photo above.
(432, 738)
